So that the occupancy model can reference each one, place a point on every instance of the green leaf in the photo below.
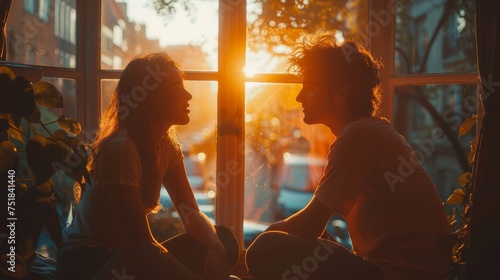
(464, 179)
(14, 131)
(46, 188)
(35, 116)
(62, 150)
(60, 135)
(6, 70)
(9, 158)
(48, 95)
(456, 197)
(466, 126)
(16, 134)
(69, 124)
(40, 139)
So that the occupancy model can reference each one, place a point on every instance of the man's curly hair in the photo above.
(348, 64)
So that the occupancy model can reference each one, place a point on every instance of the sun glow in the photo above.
(249, 71)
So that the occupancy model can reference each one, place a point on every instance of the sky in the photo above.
(182, 28)
(199, 28)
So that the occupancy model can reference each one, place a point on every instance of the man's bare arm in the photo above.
(308, 223)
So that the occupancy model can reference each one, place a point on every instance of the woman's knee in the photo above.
(230, 244)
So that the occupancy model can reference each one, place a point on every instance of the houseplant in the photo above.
(33, 157)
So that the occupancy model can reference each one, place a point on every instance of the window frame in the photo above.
(231, 90)
(231, 80)
(383, 44)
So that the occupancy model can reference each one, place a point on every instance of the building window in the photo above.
(30, 6)
(44, 11)
(456, 35)
(72, 26)
(65, 21)
(57, 11)
(53, 27)
(60, 18)
(431, 37)
(117, 35)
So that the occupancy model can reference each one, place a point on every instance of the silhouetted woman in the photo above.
(133, 155)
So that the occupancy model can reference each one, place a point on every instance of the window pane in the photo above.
(42, 33)
(274, 26)
(284, 157)
(131, 28)
(423, 114)
(435, 37)
(107, 89)
(68, 89)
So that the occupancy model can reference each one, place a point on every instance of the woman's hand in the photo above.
(216, 267)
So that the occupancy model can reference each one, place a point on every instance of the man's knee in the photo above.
(258, 251)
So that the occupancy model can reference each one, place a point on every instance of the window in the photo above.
(118, 36)
(65, 20)
(434, 37)
(40, 38)
(256, 113)
(135, 28)
(44, 10)
(244, 114)
(426, 108)
(30, 6)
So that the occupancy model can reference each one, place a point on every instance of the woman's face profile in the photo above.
(172, 105)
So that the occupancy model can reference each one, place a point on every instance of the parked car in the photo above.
(298, 180)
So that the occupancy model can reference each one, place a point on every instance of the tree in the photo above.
(275, 23)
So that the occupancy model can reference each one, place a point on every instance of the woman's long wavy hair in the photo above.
(348, 63)
(130, 109)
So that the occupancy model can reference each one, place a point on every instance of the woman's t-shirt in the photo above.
(118, 164)
(394, 214)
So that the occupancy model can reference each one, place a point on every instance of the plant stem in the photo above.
(45, 128)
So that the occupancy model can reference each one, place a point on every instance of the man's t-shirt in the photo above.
(394, 214)
(118, 163)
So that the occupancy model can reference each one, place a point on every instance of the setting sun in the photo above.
(249, 71)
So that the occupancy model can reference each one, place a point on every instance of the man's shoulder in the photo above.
(366, 128)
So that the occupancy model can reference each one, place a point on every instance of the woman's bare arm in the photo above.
(196, 223)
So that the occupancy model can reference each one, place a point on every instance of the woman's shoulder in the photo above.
(170, 143)
(118, 144)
